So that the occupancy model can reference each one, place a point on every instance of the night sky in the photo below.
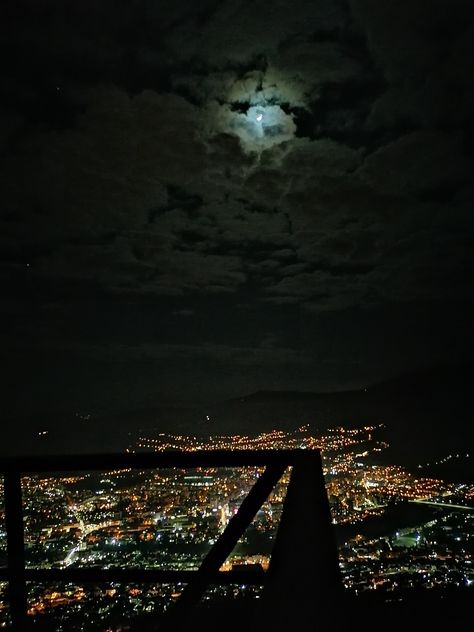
(201, 199)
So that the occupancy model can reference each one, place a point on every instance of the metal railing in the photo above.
(303, 576)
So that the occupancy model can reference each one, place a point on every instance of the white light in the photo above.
(259, 117)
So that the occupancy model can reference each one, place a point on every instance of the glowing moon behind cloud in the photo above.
(246, 113)
(260, 127)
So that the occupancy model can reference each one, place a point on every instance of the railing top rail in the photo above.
(151, 460)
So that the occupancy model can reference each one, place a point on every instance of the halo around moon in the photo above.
(259, 127)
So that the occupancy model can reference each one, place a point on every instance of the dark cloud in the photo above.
(232, 169)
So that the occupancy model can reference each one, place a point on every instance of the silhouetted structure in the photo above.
(302, 584)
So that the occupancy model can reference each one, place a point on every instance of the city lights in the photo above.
(169, 518)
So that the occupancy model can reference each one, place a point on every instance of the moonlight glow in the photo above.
(260, 127)
(258, 123)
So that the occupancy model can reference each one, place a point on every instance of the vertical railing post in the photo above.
(15, 549)
(303, 589)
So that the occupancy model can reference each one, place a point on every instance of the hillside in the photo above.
(426, 414)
